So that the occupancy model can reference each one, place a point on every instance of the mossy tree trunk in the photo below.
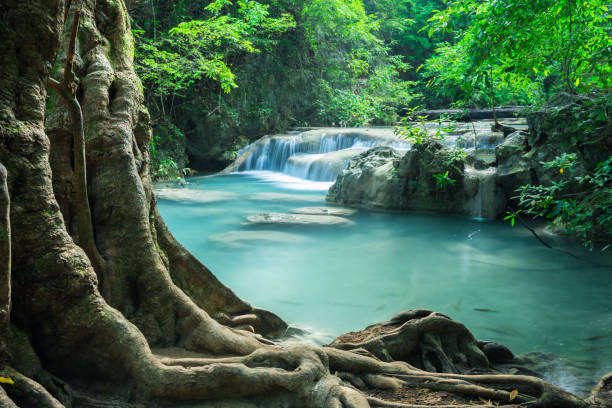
(155, 292)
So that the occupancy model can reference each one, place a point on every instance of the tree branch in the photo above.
(69, 78)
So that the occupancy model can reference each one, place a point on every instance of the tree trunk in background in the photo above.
(5, 265)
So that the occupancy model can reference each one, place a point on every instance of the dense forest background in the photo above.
(218, 74)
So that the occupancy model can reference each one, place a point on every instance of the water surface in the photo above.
(338, 279)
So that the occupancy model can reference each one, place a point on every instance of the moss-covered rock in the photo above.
(430, 177)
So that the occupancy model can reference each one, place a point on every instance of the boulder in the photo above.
(370, 180)
(381, 178)
(573, 123)
(513, 163)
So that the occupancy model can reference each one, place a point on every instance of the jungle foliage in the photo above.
(250, 67)
(519, 51)
(236, 69)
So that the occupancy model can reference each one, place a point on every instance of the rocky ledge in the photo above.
(478, 182)
(430, 177)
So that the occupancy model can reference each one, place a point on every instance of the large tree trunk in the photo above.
(85, 338)
(136, 279)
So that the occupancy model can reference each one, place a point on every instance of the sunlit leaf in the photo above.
(7, 380)
(513, 394)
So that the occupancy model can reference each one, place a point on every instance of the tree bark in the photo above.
(5, 264)
(80, 200)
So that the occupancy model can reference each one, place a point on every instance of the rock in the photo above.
(560, 125)
(481, 159)
(194, 196)
(284, 197)
(369, 180)
(340, 211)
(297, 219)
(513, 166)
(249, 238)
(496, 353)
(382, 178)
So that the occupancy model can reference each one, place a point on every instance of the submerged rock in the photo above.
(340, 211)
(297, 219)
(194, 196)
(250, 238)
(284, 197)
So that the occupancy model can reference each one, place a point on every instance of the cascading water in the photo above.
(321, 154)
(317, 155)
(486, 195)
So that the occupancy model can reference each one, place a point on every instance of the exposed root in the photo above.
(377, 402)
(25, 392)
(423, 338)
(5, 401)
(199, 283)
(602, 393)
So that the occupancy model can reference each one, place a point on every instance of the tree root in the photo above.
(601, 395)
(25, 392)
(422, 338)
(5, 401)
(199, 283)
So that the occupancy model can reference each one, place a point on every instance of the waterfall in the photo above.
(485, 198)
(479, 199)
(321, 154)
(315, 155)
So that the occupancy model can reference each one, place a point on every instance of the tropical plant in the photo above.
(584, 210)
(521, 48)
(443, 180)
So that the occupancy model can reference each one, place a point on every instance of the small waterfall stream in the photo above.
(481, 185)
(317, 155)
(479, 200)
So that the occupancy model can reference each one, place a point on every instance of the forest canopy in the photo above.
(219, 74)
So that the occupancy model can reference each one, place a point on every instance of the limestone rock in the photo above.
(298, 219)
(382, 178)
(369, 180)
(249, 238)
(340, 211)
(513, 163)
